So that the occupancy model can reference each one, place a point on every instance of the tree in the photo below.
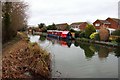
(14, 19)
(104, 34)
(89, 30)
(51, 27)
(41, 25)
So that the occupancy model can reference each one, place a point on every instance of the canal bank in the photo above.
(84, 40)
(23, 59)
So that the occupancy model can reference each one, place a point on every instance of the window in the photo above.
(97, 24)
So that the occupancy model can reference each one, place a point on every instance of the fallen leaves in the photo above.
(26, 61)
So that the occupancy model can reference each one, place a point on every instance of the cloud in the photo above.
(59, 11)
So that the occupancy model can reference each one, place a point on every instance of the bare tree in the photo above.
(14, 18)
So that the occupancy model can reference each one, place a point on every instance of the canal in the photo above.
(73, 60)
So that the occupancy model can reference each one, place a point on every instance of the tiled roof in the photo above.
(77, 23)
(104, 21)
(116, 19)
(62, 24)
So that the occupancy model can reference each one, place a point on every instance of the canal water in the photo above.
(83, 60)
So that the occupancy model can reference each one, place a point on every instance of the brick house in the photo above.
(62, 26)
(110, 23)
(115, 23)
(78, 26)
(100, 23)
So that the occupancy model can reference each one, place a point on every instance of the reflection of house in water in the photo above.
(66, 43)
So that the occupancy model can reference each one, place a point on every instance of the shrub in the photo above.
(82, 35)
(72, 30)
(89, 30)
(95, 36)
(116, 33)
(77, 34)
(104, 34)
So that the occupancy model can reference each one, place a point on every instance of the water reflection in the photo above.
(60, 42)
(80, 60)
(117, 52)
(42, 38)
(89, 49)
(102, 51)
(89, 53)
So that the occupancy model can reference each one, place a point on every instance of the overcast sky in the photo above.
(68, 11)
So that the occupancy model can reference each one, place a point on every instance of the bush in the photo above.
(118, 40)
(89, 30)
(92, 36)
(116, 33)
(95, 36)
(77, 34)
(72, 30)
(82, 35)
(104, 34)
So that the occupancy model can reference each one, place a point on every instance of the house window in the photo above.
(97, 24)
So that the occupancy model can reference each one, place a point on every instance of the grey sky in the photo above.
(61, 11)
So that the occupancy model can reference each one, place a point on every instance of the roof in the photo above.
(116, 19)
(104, 21)
(77, 23)
(62, 24)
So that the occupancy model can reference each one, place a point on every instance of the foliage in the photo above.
(82, 34)
(76, 44)
(67, 28)
(51, 27)
(77, 34)
(14, 19)
(42, 38)
(118, 40)
(88, 52)
(97, 37)
(89, 30)
(72, 30)
(104, 34)
(44, 29)
(92, 36)
(116, 32)
(41, 25)
(117, 52)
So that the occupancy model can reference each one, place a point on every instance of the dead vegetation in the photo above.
(25, 60)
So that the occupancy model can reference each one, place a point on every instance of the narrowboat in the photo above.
(59, 34)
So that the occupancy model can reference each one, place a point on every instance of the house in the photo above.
(62, 26)
(78, 26)
(114, 23)
(100, 23)
(110, 23)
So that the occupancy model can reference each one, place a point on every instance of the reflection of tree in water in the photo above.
(103, 52)
(76, 44)
(69, 42)
(88, 52)
(42, 38)
(117, 52)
